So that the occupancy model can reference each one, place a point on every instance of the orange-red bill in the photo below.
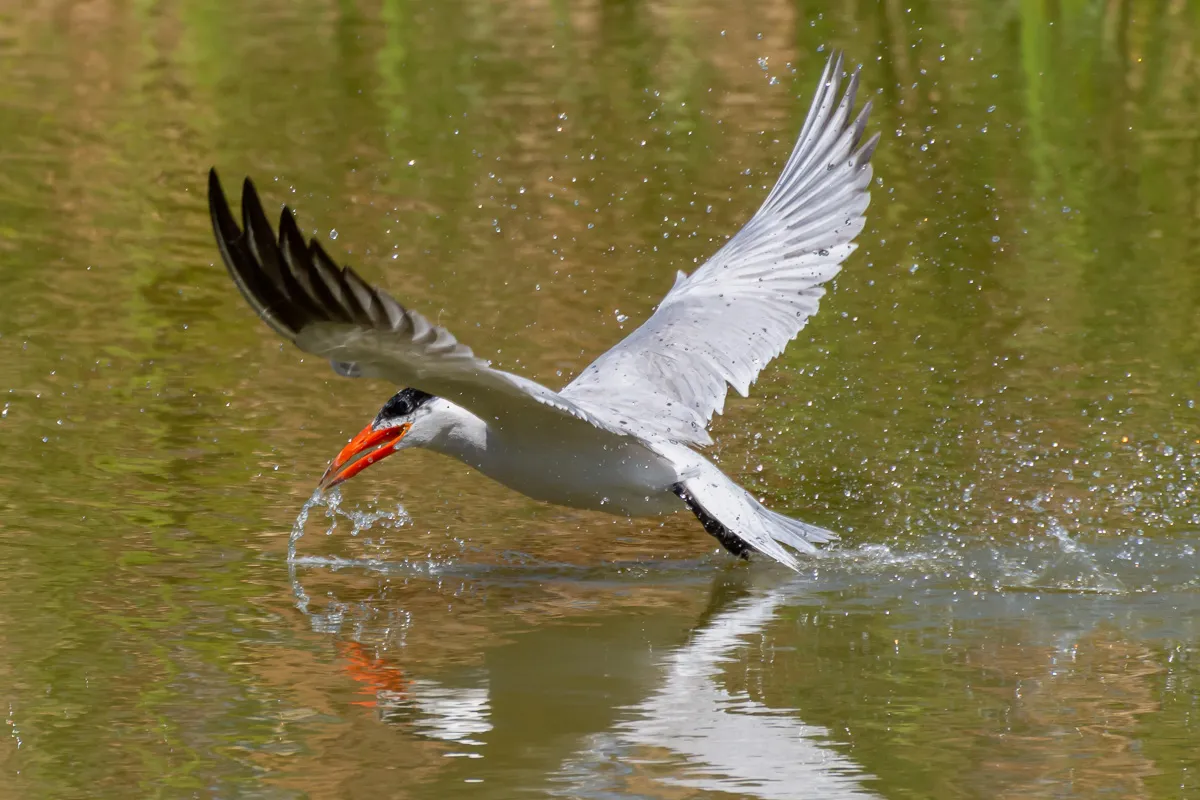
(368, 447)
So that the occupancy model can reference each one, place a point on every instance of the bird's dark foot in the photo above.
(728, 539)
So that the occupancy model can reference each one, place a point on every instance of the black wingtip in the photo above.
(251, 204)
(225, 227)
(289, 283)
(259, 235)
(243, 261)
(216, 195)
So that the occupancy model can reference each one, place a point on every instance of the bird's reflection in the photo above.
(710, 737)
(587, 701)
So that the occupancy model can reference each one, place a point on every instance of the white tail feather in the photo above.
(766, 531)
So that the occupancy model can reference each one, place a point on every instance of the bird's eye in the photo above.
(403, 403)
(396, 407)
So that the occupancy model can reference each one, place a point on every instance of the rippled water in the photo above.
(996, 407)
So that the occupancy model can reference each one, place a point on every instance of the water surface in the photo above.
(996, 407)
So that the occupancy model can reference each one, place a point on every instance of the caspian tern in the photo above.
(622, 436)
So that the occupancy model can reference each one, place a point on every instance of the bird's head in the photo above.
(385, 435)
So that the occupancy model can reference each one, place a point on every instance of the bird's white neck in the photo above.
(451, 430)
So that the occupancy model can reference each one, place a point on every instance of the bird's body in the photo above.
(581, 467)
(623, 436)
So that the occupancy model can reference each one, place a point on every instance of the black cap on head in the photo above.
(402, 404)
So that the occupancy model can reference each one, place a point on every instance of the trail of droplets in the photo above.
(1061, 561)
(360, 521)
(332, 503)
(316, 499)
(335, 499)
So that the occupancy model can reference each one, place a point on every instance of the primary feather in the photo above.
(330, 311)
(722, 324)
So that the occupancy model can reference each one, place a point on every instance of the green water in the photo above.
(996, 406)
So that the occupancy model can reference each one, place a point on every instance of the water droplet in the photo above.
(333, 233)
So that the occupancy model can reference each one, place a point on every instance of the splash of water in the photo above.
(359, 520)
(1055, 561)
(302, 519)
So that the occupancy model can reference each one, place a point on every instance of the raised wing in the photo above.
(722, 324)
(329, 311)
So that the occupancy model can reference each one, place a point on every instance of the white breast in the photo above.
(612, 473)
(582, 467)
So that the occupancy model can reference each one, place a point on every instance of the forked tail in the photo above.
(743, 525)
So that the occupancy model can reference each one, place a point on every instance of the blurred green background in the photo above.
(996, 406)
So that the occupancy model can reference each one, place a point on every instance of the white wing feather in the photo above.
(720, 326)
(330, 311)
